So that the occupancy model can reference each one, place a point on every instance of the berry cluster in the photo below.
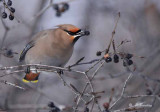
(11, 10)
(60, 8)
(53, 107)
(126, 58)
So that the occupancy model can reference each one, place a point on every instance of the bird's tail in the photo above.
(31, 77)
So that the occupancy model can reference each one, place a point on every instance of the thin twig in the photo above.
(70, 87)
(139, 96)
(11, 84)
(133, 108)
(113, 33)
(41, 66)
(123, 90)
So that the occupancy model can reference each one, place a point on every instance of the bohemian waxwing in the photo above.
(52, 47)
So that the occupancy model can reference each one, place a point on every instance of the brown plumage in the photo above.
(52, 47)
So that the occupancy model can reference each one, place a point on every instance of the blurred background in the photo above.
(139, 23)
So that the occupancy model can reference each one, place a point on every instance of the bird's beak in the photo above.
(83, 33)
(80, 34)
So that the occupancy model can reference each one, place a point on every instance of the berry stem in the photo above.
(113, 33)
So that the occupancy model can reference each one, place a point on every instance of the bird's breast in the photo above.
(49, 55)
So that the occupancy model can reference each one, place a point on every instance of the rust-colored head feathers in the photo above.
(69, 27)
(74, 32)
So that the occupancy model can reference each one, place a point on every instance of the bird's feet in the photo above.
(27, 70)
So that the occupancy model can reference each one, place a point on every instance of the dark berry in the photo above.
(58, 13)
(128, 56)
(130, 62)
(9, 3)
(116, 58)
(108, 59)
(9, 52)
(98, 53)
(87, 33)
(116, 61)
(65, 6)
(12, 9)
(86, 109)
(148, 92)
(11, 17)
(51, 104)
(56, 7)
(127, 62)
(4, 15)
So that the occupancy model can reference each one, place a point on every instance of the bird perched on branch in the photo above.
(52, 47)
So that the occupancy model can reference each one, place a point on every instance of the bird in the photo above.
(52, 47)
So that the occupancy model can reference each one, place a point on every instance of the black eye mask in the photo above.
(72, 33)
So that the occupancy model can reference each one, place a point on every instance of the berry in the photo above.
(58, 13)
(56, 7)
(62, 10)
(116, 58)
(106, 105)
(12, 9)
(87, 33)
(116, 61)
(11, 17)
(9, 52)
(98, 53)
(148, 92)
(130, 62)
(86, 109)
(108, 59)
(127, 62)
(4, 15)
(9, 3)
(65, 6)
(51, 104)
(128, 56)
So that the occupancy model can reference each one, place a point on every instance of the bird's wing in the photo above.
(31, 44)
(23, 53)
